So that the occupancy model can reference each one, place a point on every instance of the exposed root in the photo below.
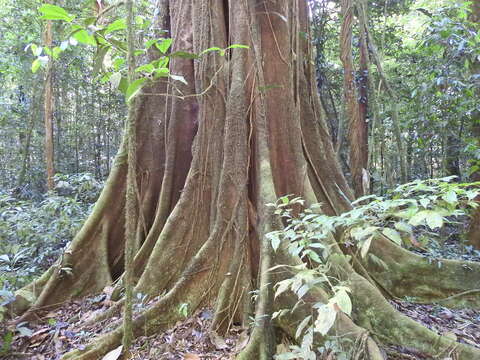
(84, 267)
(356, 340)
(373, 312)
(450, 282)
(262, 340)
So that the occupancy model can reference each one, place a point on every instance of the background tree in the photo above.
(48, 109)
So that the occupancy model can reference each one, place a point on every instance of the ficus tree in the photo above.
(243, 129)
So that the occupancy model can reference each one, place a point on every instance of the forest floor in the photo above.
(61, 330)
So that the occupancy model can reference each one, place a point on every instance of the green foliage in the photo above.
(300, 237)
(409, 209)
(109, 39)
(54, 12)
(34, 233)
(87, 119)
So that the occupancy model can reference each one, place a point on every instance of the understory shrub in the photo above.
(33, 231)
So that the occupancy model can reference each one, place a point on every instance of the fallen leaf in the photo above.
(114, 354)
(37, 334)
(216, 340)
(191, 357)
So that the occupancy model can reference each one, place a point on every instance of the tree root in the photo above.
(450, 282)
(354, 339)
(262, 340)
(373, 312)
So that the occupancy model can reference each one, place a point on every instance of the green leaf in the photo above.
(89, 21)
(99, 59)
(149, 43)
(313, 256)
(424, 202)
(450, 197)
(378, 262)
(24, 331)
(134, 88)
(238, 46)
(215, 48)
(282, 286)
(56, 51)
(342, 299)
(118, 62)
(36, 50)
(302, 326)
(119, 45)
(274, 240)
(285, 200)
(147, 68)
(36, 65)
(114, 354)
(326, 319)
(403, 226)
(115, 79)
(7, 342)
(164, 45)
(82, 36)
(432, 218)
(179, 78)
(392, 235)
(54, 12)
(123, 86)
(118, 24)
(366, 247)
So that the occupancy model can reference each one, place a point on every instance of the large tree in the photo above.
(244, 130)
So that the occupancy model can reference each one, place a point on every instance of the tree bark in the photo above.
(354, 110)
(361, 130)
(48, 111)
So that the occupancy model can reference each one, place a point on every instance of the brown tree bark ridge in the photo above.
(206, 167)
(48, 110)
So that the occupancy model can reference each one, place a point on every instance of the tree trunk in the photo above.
(34, 108)
(207, 165)
(48, 111)
(355, 111)
(359, 132)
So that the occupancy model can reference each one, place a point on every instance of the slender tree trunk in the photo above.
(131, 210)
(48, 110)
(356, 127)
(394, 98)
(34, 109)
(75, 130)
(360, 132)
